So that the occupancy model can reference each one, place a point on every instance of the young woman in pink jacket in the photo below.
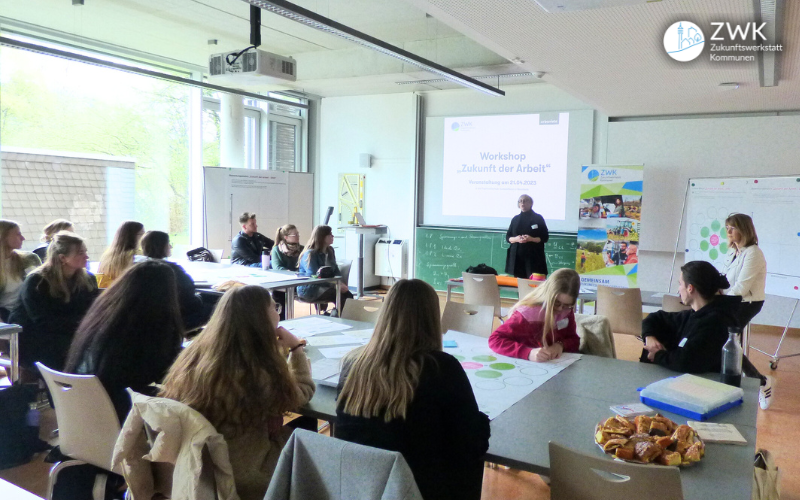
(542, 324)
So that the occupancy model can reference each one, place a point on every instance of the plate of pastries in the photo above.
(649, 440)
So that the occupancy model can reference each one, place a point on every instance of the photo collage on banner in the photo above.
(609, 225)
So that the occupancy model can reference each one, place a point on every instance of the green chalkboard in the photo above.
(445, 253)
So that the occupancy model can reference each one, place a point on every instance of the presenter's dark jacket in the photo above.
(247, 250)
(48, 324)
(705, 331)
(524, 259)
(443, 437)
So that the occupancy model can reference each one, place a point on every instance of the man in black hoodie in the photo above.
(691, 341)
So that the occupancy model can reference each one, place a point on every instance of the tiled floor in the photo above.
(778, 429)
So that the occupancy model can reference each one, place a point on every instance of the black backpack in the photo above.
(18, 441)
(482, 269)
(200, 254)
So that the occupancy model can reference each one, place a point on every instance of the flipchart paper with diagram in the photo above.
(499, 381)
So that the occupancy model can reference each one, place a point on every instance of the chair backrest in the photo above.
(468, 318)
(622, 307)
(362, 310)
(344, 270)
(88, 426)
(596, 336)
(672, 303)
(217, 253)
(482, 290)
(524, 286)
(578, 475)
(334, 469)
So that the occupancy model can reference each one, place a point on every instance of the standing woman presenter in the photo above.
(527, 235)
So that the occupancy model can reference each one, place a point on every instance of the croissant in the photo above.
(658, 428)
(613, 444)
(626, 453)
(669, 458)
(627, 424)
(643, 424)
(647, 451)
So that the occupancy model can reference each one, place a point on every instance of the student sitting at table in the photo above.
(121, 254)
(542, 325)
(14, 266)
(156, 246)
(248, 246)
(131, 334)
(402, 393)
(319, 253)
(48, 232)
(53, 301)
(691, 341)
(287, 249)
(236, 374)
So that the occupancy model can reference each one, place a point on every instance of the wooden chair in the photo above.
(524, 287)
(576, 475)
(362, 310)
(482, 290)
(622, 307)
(467, 318)
(672, 303)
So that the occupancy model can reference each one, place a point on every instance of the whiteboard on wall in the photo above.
(276, 197)
(772, 202)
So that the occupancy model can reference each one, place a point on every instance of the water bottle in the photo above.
(265, 260)
(732, 358)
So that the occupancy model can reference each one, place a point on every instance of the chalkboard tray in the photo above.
(443, 254)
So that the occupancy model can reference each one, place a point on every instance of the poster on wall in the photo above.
(351, 199)
(609, 225)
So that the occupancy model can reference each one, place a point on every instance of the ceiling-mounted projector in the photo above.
(575, 5)
(254, 67)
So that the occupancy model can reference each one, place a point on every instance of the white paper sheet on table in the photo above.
(325, 368)
(498, 381)
(337, 352)
(335, 340)
(309, 326)
(363, 334)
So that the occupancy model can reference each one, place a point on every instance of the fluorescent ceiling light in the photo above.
(484, 77)
(314, 20)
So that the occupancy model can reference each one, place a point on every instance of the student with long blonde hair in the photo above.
(48, 232)
(120, 255)
(402, 393)
(53, 301)
(14, 266)
(542, 324)
(236, 374)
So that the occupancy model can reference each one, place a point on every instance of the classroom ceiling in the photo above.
(611, 58)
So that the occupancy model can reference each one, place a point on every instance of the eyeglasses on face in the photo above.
(562, 307)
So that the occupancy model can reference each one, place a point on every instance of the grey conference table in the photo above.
(11, 332)
(566, 408)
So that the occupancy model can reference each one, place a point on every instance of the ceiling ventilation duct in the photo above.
(769, 62)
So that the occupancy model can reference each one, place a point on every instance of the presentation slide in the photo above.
(489, 160)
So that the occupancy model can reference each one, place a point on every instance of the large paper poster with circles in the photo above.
(499, 381)
(774, 205)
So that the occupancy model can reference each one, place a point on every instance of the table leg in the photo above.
(14, 343)
(746, 340)
(290, 302)
(338, 284)
(580, 306)
(360, 285)
(449, 291)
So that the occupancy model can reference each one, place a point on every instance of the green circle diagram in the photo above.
(715, 225)
(713, 254)
(484, 358)
(723, 248)
(502, 366)
(704, 245)
(488, 373)
(705, 232)
(459, 357)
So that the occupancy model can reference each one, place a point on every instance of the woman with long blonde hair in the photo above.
(541, 326)
(14, 266)
(399, 391)
(236, 374)
(53, 301)
(120, 255)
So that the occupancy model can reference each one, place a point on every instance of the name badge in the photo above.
(683, 342)
(562, 323)
(535, 226)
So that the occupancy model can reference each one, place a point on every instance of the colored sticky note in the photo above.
(449, 343)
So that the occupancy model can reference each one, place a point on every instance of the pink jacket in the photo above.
(523, 332)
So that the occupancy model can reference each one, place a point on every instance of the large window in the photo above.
(135, 142)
